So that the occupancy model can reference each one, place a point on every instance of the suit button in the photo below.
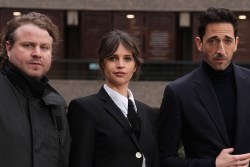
(138, 155)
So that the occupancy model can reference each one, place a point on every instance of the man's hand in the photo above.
(225, 159)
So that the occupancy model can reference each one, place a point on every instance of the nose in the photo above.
(120, 63)
(221, 48)
(37, 52)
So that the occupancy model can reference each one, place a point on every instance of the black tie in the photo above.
(134, 119)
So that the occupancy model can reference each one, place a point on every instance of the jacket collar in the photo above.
(24, 82)
(204, 90)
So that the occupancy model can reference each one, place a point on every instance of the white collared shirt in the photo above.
(120, 100)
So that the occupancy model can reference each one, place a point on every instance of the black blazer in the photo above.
(190, 112)
(100, 136)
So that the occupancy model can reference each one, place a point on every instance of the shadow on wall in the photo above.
(148, 92)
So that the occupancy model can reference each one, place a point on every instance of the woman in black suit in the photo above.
(103, 132)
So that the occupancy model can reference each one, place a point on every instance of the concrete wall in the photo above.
(144, 5)
(148, 92)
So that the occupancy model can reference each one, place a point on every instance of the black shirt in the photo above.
(225, 89)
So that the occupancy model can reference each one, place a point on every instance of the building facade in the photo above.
(164, 28)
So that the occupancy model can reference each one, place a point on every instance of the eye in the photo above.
(228, 41)
(212, 41)
(45, 48)
(128, 58)
(112, 58)
(28, 45)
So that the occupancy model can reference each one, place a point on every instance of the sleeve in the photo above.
(169, 134)
(83, 134)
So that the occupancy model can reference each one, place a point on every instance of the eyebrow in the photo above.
(129, 55)
(216, 37)
(123, 55)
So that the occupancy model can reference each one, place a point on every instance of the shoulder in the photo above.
(91, 104)
(83, 101)
(147, 111)
(3, 78)
(5, 84)
(82, 108)
(5, 89)
(141, 104)
(144, 107)
(242, 74)
(240, 69)
(187, 80)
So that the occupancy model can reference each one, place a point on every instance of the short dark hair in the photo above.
(216, 15)
(110, 42)
(37, 19)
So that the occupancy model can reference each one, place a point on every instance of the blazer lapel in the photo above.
(114, 110)
(243, 105)
(205, 91)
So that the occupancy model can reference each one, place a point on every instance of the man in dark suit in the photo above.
(208, 109)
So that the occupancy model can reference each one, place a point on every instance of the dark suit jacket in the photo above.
(190, 112)
(100, 137)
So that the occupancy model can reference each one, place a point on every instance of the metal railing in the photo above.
(151, 71)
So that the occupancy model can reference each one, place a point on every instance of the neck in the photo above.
(23, 81)
(123, 89)
(218, 75)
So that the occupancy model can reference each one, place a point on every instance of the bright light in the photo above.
(130, 16)
(242, 17)
(16, 13)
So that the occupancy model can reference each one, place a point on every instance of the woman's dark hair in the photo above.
(110, 42)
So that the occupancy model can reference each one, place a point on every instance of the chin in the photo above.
(220, 68)
(36, 76)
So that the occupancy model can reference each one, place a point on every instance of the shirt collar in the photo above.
(120, 100)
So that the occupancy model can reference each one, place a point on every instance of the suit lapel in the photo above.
(243, 105)
(114, 110)
(205, 91)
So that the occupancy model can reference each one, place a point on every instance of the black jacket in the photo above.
(101, 136)
(191, 112)
(33, 124)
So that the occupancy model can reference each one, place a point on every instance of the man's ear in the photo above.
(8, 47)
(236, 43)
(198, 43)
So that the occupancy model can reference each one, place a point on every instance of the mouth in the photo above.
(119, 73)
(219, 59)
(35, 63)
